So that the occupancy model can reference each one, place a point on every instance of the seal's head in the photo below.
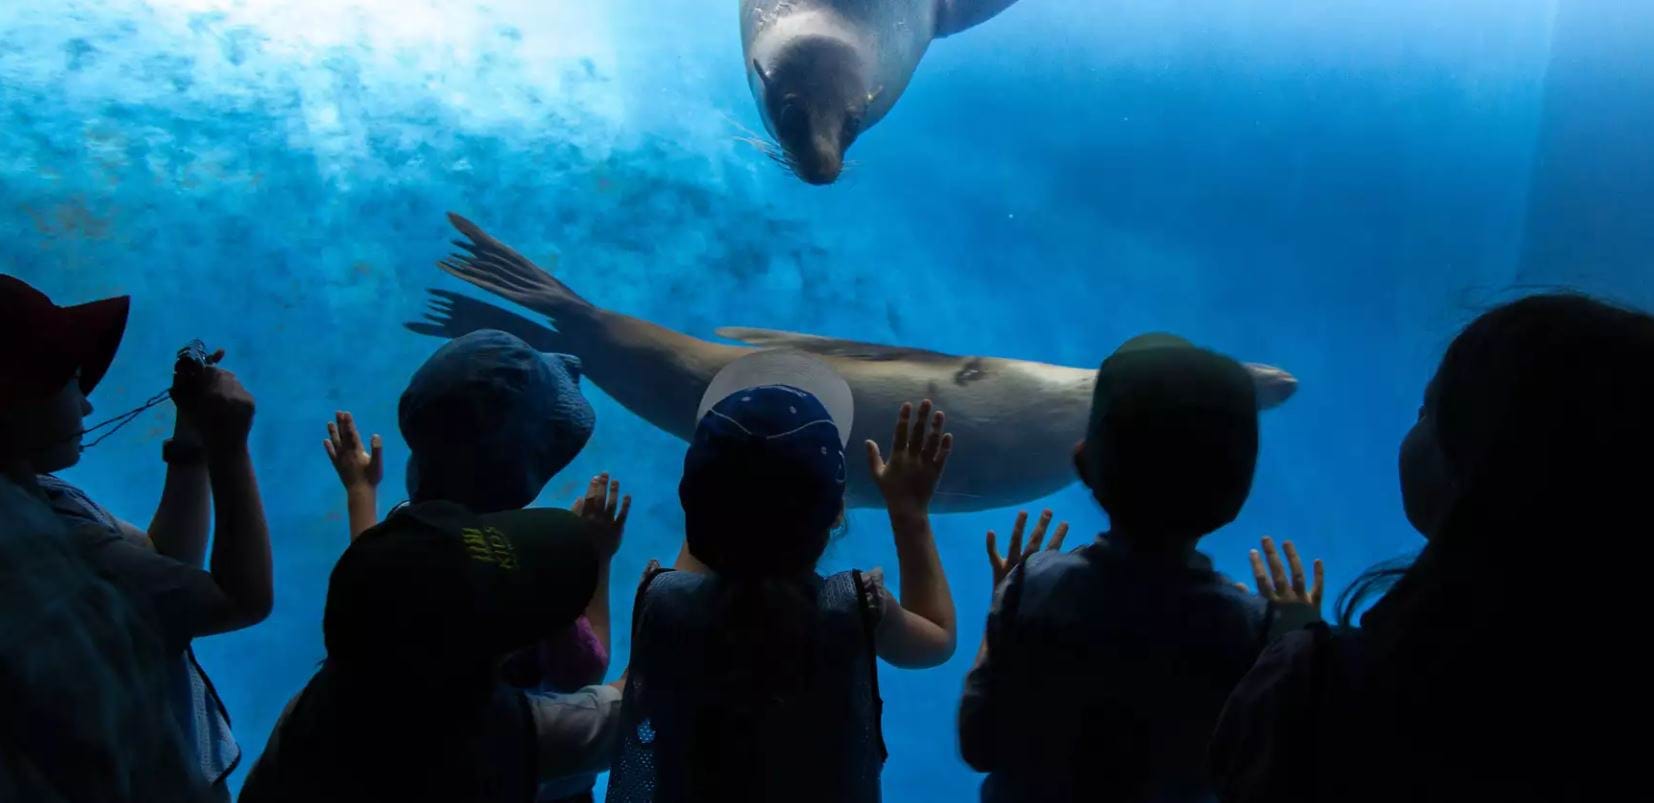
(815, 98)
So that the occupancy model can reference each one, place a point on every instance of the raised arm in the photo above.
(183, 518)
(603, 505)
(359, 471)
(920, 630)
(980, 727)
(223, 409)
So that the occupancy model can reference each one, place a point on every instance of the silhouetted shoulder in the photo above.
(1267, 733)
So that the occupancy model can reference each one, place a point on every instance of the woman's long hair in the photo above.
(1544, 412)
(1375, 582)
(760, 524)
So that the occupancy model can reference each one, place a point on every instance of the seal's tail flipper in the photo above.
(953, 16)
(1274, 385)
(452, 315)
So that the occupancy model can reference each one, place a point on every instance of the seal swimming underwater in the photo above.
(824, 71)
(1015, 422)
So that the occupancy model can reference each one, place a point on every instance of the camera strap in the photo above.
(115, 424)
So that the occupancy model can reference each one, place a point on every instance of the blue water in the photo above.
(1331, 186)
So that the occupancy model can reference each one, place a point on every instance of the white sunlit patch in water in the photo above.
(345, 76)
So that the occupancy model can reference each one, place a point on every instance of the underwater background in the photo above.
(1331, 186)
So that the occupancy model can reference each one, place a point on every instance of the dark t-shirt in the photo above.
(176, 593)
(175, 597)
(1439, 707)
(83, 702)
(1106, 670)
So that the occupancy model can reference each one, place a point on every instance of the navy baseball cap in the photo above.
(489, 420)
(436, 588)
(772, 435)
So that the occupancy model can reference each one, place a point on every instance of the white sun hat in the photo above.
(791, 368)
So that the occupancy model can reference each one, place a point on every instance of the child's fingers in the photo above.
(1016, 536)
(332, 453)
(1320, 583)
(347, 432)
(921, 423)
(898, 442)
(1277, 572)
(942, 453)
(1056, 539)
(875, 462)
(1258, 573)
(1038, 536)
(1296, 564)
(625, 510)
(993, 551)
(933, 443)
(378, 455)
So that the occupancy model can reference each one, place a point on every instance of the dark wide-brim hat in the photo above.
(435, 588)
(42, 345)
(1172, 442)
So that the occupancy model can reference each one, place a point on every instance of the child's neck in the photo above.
(1152, 542)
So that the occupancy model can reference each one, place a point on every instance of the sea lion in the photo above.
(824, 71)
(1015, 422)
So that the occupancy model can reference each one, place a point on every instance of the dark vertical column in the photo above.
(1591, 205)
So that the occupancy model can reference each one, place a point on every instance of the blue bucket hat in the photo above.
(489, 420)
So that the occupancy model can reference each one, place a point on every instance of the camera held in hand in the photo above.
(189, 373)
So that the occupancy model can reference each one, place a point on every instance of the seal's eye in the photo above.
(852, 127)
(791, 116)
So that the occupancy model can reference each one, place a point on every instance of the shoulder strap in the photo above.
(649, 575)
(869, 624)
(530, 746)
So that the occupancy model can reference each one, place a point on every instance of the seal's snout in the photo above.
(823, 168)
(822, 160)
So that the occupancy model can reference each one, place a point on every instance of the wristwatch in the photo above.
(183, 453)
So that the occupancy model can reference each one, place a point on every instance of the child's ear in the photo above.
(1079, 463)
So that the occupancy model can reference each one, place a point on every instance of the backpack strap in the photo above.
(868, 608)
(653, 570)
(529, 760)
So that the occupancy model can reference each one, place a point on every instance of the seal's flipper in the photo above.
(452, 315)
(953, 16)
(498, 268)
(830, 347)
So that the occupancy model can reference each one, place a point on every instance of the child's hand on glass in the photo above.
(359, 470)
(603, 505)
(918, 454)
(1016, 552)
(1277, 587)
